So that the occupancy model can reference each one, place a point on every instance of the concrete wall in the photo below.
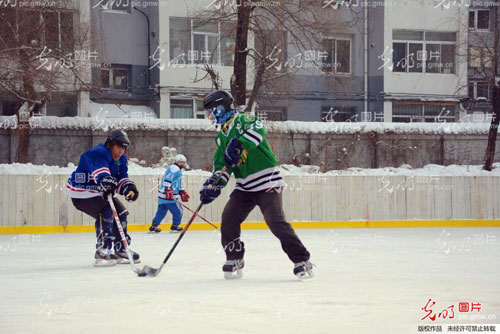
(33, 200)
(333, 151)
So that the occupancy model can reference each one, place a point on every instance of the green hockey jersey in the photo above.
(260, 170)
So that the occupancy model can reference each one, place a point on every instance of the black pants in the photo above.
(106, 230)
(271, 205)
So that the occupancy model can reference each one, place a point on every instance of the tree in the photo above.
(37, 58)
(276, 27)
(492, 54)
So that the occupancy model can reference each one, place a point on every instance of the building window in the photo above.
(48, 28)
(193, 42)
(338, 56)
(274, 114)
(199, 111)
(113, 5)
(479, 19)
(428, 112)
(338, 114)
(187, 108)
(424, 52)
(205, 43)
(480, 58)
(114, 78)
(180, 108)
(481, 91)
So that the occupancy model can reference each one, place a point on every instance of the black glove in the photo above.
(232, 154)
(108, 184)
(130, 191)
(210, 190)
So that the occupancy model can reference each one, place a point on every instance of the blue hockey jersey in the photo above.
(94, 165)
(171, 179)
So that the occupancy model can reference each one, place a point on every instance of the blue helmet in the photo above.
(220, 105)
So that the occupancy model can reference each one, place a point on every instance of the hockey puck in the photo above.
(141, 274)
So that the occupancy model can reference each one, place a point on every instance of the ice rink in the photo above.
(367, 281)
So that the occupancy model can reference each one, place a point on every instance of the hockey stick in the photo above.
(152, 272)
(122, 235)
(206, 220)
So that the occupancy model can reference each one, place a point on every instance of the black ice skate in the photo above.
(232, 269)
(175, 229)
(303, 270)
(104, 258)
(154, 229)
(122, 257)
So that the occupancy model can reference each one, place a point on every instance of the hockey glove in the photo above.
(130, 191)
(169, 194)
(233, 152)
(184, 195)
(108, 184)
(209, 191)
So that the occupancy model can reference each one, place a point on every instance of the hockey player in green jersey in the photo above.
(242, 150)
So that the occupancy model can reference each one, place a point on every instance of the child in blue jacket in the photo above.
(169, 193)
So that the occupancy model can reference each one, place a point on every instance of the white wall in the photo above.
(29, 200)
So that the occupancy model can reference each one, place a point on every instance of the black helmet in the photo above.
(117, 137)
(217, 98)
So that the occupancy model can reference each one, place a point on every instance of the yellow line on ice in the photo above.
(262, 225)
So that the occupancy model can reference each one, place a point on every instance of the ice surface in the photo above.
(368, 281)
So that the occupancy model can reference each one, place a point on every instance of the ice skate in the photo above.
(175, 229)
(154, 229)
(303, 270)
(233, 269)
(104, 258)
(122, 257)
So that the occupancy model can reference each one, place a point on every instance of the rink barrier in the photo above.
(36, 203)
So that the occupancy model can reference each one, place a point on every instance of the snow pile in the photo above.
(105, 124)
(143, 123)
(7, 122)
(30, 169)
(428, 170)
(404, 170)
(378, 127)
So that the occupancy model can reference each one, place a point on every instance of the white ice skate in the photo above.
(303, 270)
(233, 269)
(122, 257)
(104, 258)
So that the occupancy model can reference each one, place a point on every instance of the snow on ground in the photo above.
(368, 281)
(404, 170)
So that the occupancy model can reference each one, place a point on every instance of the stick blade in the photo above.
(148, 271)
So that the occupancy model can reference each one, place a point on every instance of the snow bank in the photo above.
(377, 127)
(404, 170)
(52, 122)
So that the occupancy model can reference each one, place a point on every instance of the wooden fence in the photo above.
(39, 200)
